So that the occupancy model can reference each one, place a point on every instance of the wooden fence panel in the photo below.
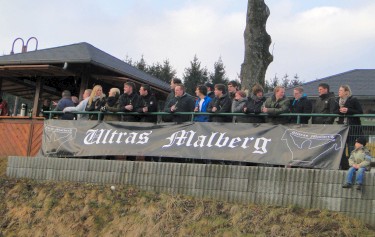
(20, 137)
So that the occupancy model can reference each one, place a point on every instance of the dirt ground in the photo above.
(31, 208)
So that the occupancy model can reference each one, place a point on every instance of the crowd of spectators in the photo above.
(219, 100)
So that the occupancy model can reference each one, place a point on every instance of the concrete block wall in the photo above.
(306, 188)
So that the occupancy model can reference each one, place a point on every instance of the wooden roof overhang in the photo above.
(21, 80)
(43, 70)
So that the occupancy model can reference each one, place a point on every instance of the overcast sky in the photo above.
(311, 38)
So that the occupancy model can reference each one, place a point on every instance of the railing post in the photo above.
(298, 119)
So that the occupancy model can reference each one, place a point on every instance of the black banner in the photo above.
(313, 146)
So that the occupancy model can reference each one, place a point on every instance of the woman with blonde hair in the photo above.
(349, 105)
(96, 101)
(112, 105)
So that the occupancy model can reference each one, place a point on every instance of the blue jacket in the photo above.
(206, 102)
(62, 104)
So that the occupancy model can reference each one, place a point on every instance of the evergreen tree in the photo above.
(141, 65)
(129, 60)
(168, 73)
(295, 81)
(270, 85)
(219, 74)
(164, 72)
(195, 75)
(156, 70)
(285, 81)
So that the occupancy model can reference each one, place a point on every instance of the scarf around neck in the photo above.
(342, 101)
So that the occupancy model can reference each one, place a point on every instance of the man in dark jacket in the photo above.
(171, 96)
(300, 105)
(220, 104)
(147, 103)
(65, 101)
(233, 87)
(325, 104)
(129, 101)
(254, 104)
(182, 102)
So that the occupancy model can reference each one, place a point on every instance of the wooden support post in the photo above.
(38, 91)
(85, 75)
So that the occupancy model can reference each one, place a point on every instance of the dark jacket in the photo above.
(238, 107)
(112, 105)
(354, 107)
(132, 99)
(211, 94)
(254, 106)
(301, 106)
(325, 104)
(223, 105)
(170, 97)
(150, 102)
(185, 103)
(96, 105)
(276, 107)
(62, 104)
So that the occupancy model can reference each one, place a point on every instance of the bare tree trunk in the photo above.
(257, 43)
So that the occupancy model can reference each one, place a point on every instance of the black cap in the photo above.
(209, 85)
(361, 140)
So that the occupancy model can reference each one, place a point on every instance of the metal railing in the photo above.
(193, 114)
(367, 128)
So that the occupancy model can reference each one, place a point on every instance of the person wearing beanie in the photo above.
(210, 90)
(359, 162)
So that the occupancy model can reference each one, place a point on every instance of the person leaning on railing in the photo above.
(182, 102)
(201, 104)
(238, 105)
(324, 104)
(112, 104)
(65, 101)
(359, 162)
(300, 104)
(96, 101)
(255, 103)
(129, 102)
(80, 107)
(348, 105)
(275, 105)
(220, 104)
(171, 96)
(147, 103)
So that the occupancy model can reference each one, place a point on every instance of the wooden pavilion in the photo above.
(36, 75)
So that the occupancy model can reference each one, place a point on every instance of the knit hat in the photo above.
(361, 140)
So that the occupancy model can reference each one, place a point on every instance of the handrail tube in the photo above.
(298, 115)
